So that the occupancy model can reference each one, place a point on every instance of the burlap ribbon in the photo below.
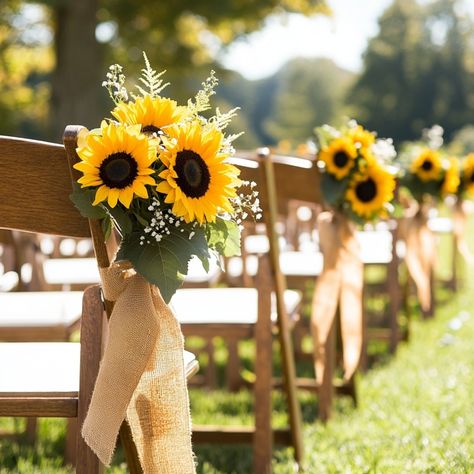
(142, 378)
(420, 252)
(338, 287)
(459, 230)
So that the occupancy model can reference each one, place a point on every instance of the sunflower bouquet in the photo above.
(158, 173)
(357, 178)
(428, 172)
(466, 176)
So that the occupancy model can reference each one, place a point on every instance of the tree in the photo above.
(179, 36)
(416, 71)
(310, 93)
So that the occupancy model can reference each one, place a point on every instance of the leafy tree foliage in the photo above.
(418, 70)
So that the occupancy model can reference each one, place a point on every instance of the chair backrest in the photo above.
(36, 184)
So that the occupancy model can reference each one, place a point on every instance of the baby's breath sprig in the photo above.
(246, 203)
(115, 84)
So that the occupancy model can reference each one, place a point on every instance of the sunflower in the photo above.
(153, 114)
(196, 180)
(118, 161)
(468, 173)
(339, 157)
(361, 137)
(427, 165)
(451, 179)
(370, 191)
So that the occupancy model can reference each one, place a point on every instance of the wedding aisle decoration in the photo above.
(429, 176)
(357, 184)
(156, 173)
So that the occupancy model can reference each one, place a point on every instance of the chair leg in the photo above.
(263, 438)
(326, 390)
(233, 364)
(91, 352)
(71, 436)
(31, 428)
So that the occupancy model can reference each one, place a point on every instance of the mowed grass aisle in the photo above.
(416, 414)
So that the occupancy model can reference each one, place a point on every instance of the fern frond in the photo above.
(201, 101)
(151, 80)
(222, 121)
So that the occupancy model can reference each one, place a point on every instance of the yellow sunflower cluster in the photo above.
(427, 165)
(354, 157)
(371, 190)
(119, 159)
(452, 177)
(468, 173)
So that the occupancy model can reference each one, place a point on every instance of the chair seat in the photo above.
(40, 309)
(375, 247)
(35, 371)
(440, 225)
(71, 271)
(84, 271)
(225, 305)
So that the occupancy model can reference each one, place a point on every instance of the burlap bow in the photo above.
(420, 252)
(142, 378)
(459, 230)
(339, 286)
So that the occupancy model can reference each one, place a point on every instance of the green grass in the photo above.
(416, 412)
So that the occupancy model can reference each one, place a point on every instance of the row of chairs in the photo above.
(255, 304)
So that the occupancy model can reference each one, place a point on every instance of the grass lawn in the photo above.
(416, 413)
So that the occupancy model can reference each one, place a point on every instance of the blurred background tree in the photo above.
(88, 34)
(418, 71)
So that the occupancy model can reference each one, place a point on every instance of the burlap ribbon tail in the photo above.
(420, 253)
(459, 230)
(338, 287)
(141, 378)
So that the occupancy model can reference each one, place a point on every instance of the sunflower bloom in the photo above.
(451, 179)
(153, 114)
(117, 162)
(427, 165)
(361, 137)
(339, 157)
(468, 173)
(196, 180)
(370, 191)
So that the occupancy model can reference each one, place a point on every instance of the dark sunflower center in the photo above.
(366, 190)
(118, 170)
(341, 159)
(151, 129)
(193, 173)
(471, 178)
(427, 165)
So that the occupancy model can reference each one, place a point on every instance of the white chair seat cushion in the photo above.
(40, 309)
(224, 305)
(71, 271)
(84, 271)
(440, 225)
(375, 247)
(40, 368)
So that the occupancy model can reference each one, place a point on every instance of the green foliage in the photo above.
(417, 70)
(309, 92)
(333, 189)
(83, 199)
(224, 237)
(164, 264)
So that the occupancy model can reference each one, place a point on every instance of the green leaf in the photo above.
(224, 236)
(122, 220)
(106, 227)
(83, 199)
(164, 263)
(333, 189)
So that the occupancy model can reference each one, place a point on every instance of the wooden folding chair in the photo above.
(245, 313)
(54, 379)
